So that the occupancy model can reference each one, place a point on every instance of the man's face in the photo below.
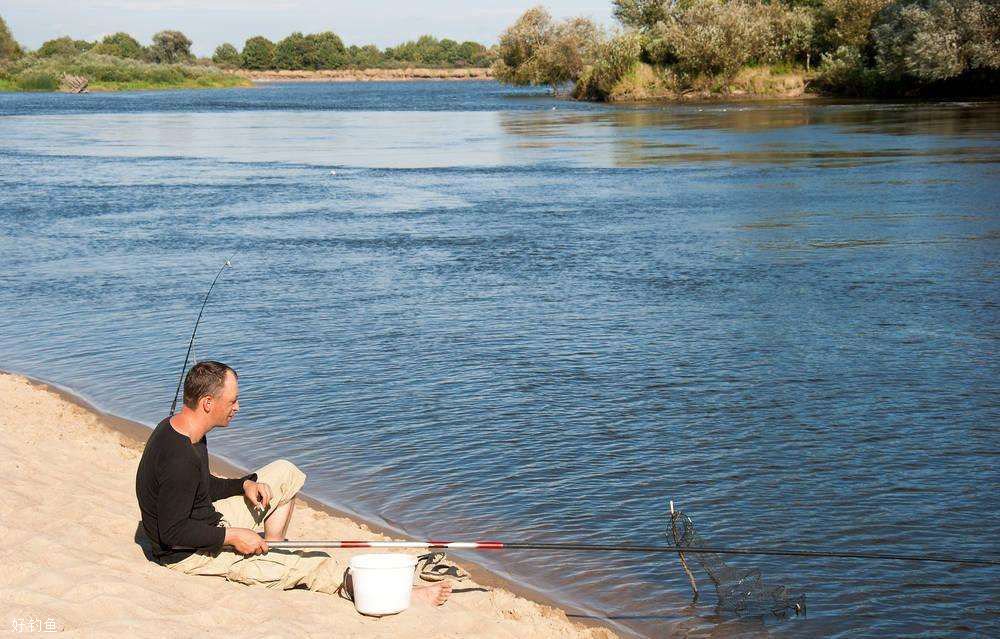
(226, 403)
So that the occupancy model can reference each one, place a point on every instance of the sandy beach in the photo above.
(72, 564)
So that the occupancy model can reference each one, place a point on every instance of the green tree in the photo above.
(170, 47)
(472, 54)
(314, 51)
(65, 45)
(121, 45)
(258, 54)
(226, 55)
(326, 51)
(431, 52)
(448, 51)
(413, 51)
(366, 57)
(292, 52)
(9, 48)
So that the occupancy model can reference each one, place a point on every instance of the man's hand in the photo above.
(258, 494)
(245, 541)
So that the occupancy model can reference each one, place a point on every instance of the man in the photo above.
(201, 524)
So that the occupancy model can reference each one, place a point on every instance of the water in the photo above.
(476, 312)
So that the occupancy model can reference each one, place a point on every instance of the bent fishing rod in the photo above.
(180, 382)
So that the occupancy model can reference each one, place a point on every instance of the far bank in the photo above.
(362, 75)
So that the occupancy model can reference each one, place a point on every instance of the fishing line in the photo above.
(180, 382)
(498, 545)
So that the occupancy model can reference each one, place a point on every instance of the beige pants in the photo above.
(277, 569)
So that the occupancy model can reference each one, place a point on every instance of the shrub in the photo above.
(535, 50)
(569, 49)
(844, 72)
(9, 48)
(641, 14)
(37, 81)
(518, 45)
(846, 23)
(790, 33)
(226, 55)
(657, 47)
(935, 40)
(258, 53)
(715, 38)
(44, 74)
(615, 58)
(170, 47)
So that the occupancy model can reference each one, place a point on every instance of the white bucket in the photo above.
(382, 582)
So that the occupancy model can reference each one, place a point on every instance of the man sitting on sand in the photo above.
(184, 507)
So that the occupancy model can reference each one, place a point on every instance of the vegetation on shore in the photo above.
(111, 73)
(120, 62)
(682, 48)
(326, 51)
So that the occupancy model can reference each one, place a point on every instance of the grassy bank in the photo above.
(647, 82)
(110, 73)
(119, 62)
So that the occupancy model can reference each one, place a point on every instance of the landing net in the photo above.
(741, 592)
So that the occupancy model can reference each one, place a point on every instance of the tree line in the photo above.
(327, 51)
(323, 50)
(858, 47)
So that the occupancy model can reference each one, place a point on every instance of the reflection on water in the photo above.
(469, 311)
(688, 134)
(813, 132)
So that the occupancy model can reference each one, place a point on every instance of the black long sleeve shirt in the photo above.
(175, 492)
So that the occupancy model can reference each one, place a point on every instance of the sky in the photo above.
(209, 23)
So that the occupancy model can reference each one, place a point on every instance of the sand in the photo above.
(69, 560)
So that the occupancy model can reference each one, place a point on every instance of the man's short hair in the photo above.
(204, 378)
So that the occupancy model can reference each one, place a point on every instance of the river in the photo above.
(470, 311)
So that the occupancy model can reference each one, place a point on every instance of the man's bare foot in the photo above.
(434, 594)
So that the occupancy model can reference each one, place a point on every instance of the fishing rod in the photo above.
(499, 545)
(180, 382)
